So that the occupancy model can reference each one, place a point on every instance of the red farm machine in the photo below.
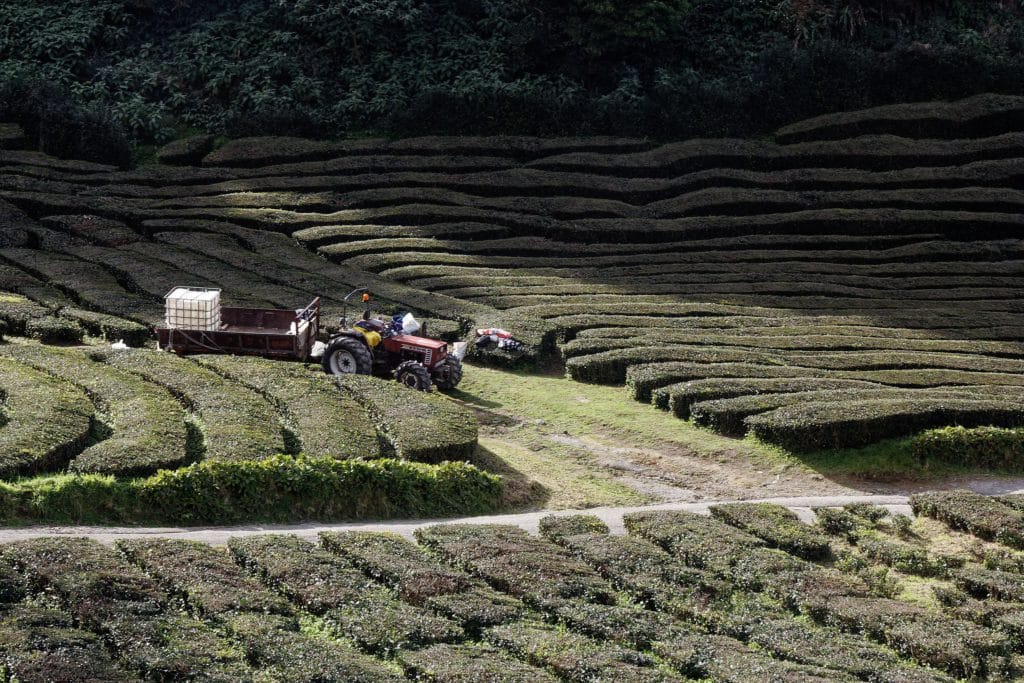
(197, 323)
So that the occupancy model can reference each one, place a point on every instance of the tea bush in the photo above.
(360, 608)
(665, 69)
(988, 447)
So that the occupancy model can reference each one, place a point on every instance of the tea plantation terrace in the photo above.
(854, 279)
(749, 593)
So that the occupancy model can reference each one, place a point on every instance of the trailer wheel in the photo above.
(413, 375)
(448, 373)
(347, 356)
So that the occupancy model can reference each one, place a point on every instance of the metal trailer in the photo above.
(250, 331)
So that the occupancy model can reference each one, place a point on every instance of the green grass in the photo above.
(542, 431)
(589, 409)
(556, 442)
(553, 477)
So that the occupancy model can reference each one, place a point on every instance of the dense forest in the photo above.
(90, 77)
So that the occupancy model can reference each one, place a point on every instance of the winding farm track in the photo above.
(612, 516)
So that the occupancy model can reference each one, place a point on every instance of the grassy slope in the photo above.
(575, 440)
(563, 444)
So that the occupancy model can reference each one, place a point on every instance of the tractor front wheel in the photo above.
(448, 373)
(347, 356)
(413, 375)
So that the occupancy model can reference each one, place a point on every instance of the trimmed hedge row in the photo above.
(334, 589)
(323, 235)
(990, 583)
(813, 338)
(51, 330)
(234, 280)
(262, 151)
(987, 447)
(1002, 616)
(663, 381)
(396, 562)
(218, 588)
(277, 489)
(108, 327)
(933, 246)
(210, 583)
(958, 647)
(777, 526)
(573, 657)
(416, 426)
(907, 558)
(285, 655)
(422, 580)
(854, 423)
(613, 367)
(981, 114)
(869, 152)
(148, 426)
(444, 201)
(89, 283)
(728, 416)
(40, 644)
(237, 423)
(326, 421)
(311, 578)
(323, 276)
(697, 540)
(512, 561)
(156, 181)
(109, 596)
(832, 649)
(445, 663)
(95, 229)
(980, 515)
(47, 421)
(725, 659)
(682, 396)
(649, 574)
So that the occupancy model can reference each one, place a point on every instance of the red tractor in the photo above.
(387, 348)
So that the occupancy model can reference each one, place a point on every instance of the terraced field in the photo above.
(158, 411)
(748, 594)
(855, 279)
(91, 434)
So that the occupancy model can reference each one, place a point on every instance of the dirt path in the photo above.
(802, 505)
(567, 445)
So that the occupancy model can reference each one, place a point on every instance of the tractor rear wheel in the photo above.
(413, 375)
(448, 373)
(347, 356)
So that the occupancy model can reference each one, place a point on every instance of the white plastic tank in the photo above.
(192, 308)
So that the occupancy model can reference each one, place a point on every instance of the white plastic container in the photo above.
(192, 308)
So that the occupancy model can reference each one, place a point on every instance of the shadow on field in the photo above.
(520, 492)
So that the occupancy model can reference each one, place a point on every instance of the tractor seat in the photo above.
(371, 325)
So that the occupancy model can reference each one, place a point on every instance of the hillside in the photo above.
(826, 290)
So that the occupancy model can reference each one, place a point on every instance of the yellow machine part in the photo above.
(372, 338)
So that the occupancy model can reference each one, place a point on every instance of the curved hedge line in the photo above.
(326, 422)
(416, 426)
(993, 447)
(147, 425)
(978, 115)
(858, 423)
(46, 421)
(277, 489)
(238, 423)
